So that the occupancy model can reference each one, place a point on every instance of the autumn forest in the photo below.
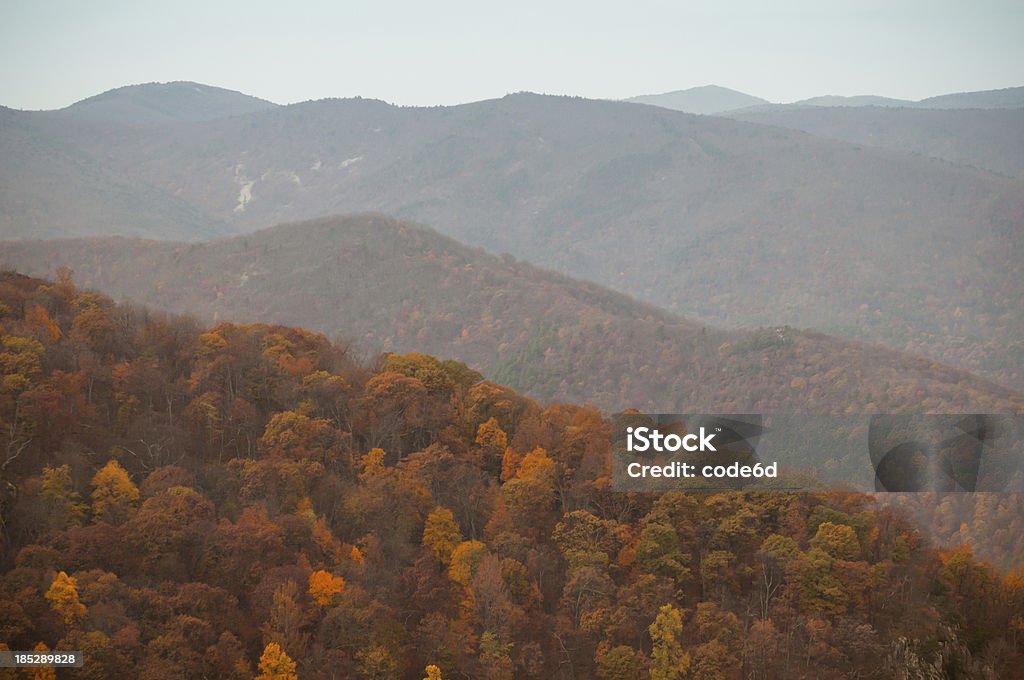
(240, 501)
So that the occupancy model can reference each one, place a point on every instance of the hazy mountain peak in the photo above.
(179, 101)
(703, 99)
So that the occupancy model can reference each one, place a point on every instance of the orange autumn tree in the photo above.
(41, 325)
(324, 587)
(63, 598)
(491, 438)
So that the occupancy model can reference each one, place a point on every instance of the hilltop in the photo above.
(162, 103)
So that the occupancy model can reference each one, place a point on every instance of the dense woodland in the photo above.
(247, 501)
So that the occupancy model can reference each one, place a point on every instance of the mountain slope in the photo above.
(989, 139)
(49, 187)
(252, 484)
(731, 222)
(703, 100)
(156, 103)
(393, 285)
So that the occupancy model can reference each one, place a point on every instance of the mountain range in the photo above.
(733, 223)
(713, 99)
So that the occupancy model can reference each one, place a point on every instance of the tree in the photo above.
(441, 534)
(433, 672)
(658, 552)
(226, 659)
(114, 494)
(617, 663)
(324, 587)
(668, 661)
(530, 495)
(423, 367)
(287, 619)
(822, 591)
(293, 435)
(276, 665)
(465, 559)
(491, 439)
(64, 506)
(38, 322)
(838, 540)
(586, 540)
(63, 598)
(94, 327)
(376, 663)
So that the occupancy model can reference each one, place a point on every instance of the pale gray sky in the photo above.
(53, 53)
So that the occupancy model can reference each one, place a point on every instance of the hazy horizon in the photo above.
(57, 53)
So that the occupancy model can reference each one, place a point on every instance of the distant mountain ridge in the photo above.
(856, 100)
(713, 99)
(992, 139)
(706, 99)
(1007, 98)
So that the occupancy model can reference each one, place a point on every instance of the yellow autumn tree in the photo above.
(372, 464)
(276, 665)
(63, 504)
(324, 587)
(441, 534)
(465, 559)
(530, 494)
(433, 672)
(63, 598)
(668, 661)
(114, 494)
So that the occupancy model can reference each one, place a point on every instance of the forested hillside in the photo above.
(392, 285)
(40, 172)
(988, 139)
(181, 501)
